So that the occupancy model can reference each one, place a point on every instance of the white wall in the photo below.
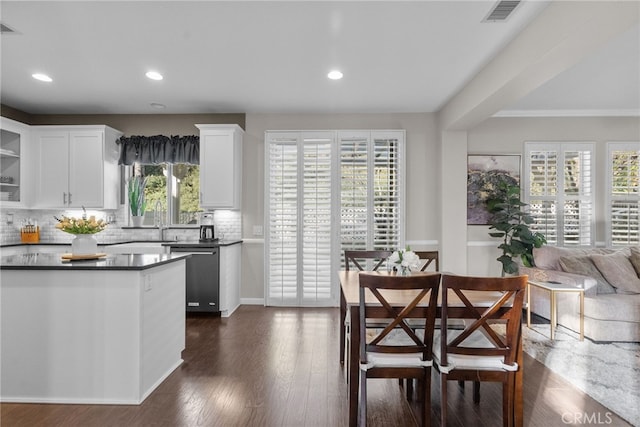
(423, 216)
(508, 135)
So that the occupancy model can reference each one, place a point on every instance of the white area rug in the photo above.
(609, 372)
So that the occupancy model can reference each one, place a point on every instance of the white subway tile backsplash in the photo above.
(228, 226)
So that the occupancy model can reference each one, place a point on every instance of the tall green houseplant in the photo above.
(511, 223)
(137, 200)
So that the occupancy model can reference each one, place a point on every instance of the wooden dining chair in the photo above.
(394, 349)
(486, 349)
(358, 256)
(431, 258)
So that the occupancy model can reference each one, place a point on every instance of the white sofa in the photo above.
(612, 289)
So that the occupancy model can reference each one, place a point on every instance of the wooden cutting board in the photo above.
(72, 257)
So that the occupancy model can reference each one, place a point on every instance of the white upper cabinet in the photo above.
(220, 166)
(14, 172)
(76, 166)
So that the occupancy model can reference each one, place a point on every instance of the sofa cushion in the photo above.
(584, 266)
(618, 271)
(548, 257)
(614, 307)
(635, 258)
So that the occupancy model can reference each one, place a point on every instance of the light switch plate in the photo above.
(257, 230)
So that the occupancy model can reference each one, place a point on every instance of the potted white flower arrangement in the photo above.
(403, 261)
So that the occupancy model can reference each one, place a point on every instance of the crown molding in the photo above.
(569, 113)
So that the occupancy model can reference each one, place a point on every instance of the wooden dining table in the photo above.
(350, 305)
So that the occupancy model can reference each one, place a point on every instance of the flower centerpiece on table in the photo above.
(403, 261)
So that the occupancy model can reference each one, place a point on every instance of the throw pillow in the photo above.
(619, 272)
(635, 258)
(584, 266)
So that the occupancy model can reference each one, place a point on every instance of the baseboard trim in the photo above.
(251, 301)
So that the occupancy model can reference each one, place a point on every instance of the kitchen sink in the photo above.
(137, 248)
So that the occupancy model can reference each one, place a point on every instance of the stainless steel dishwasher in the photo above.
(203, 276)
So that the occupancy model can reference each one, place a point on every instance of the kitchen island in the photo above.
(106, 331)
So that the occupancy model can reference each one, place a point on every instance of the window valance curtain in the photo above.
(159, 149)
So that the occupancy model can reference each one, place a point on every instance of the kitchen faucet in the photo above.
(157, 219)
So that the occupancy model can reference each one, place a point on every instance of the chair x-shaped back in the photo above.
(482, 316)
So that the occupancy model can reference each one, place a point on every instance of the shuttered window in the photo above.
(372, 186)
(314, 179)
(623, 194)
(559, 190)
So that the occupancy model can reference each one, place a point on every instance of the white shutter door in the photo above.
(282, 268)
(304, 171)
(624, 194)
(299, 267)
(316, 222)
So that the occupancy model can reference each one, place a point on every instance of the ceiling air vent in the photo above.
(6, 30)
(501, 11)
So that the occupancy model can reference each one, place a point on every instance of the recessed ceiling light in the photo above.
(335, 75)
(154, 75)
(158, 106)
(42, 77)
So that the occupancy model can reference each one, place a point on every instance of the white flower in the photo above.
(411, 260)
(405, 258)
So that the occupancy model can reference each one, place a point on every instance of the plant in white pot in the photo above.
(137, 200)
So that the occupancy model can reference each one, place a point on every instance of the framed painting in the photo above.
(484, 172)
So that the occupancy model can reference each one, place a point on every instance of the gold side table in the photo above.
(554, 288)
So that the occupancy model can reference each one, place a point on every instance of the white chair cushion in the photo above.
(463, 361)
(394, 360)
(397, 337)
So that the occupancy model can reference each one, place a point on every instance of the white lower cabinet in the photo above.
(230, 275)
(76, 166)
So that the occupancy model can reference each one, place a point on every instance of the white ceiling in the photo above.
(264, 57)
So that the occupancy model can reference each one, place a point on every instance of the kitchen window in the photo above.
(559, 189)
(173, 175)
(174, 188)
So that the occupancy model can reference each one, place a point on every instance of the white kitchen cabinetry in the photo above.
(220, 166)
(230, 275)
(13, 169)
(77, 166)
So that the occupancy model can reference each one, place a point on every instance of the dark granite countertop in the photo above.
(114, 262)
(214, 244)
(171, 243)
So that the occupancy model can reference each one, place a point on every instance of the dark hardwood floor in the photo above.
(279, 367)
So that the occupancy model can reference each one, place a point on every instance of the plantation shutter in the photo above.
(354, 193)
(559, 191)
(388, 222)
(623, 193)
(314, 178)
(316, 220)
(299, 267)
(371, 195)
(283, 220)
